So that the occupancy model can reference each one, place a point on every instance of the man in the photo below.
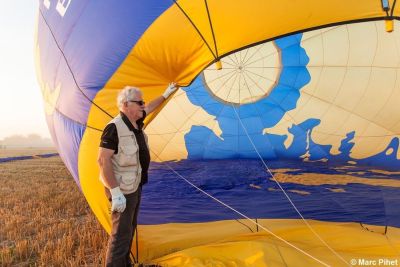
(124, 160)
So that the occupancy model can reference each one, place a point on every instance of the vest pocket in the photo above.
(128, 155)
(127, 182)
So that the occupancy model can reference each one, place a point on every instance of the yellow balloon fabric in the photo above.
(311, 81)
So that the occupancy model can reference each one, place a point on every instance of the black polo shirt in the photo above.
(109, 139)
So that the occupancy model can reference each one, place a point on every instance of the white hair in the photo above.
(126, 94)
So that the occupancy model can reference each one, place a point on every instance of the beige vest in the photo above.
(126, 164)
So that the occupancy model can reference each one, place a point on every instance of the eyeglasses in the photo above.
(139, 102)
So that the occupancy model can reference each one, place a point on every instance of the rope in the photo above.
(243, 215)
(212, 29)
(287, 196)
(196, 28)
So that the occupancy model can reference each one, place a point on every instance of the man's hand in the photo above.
(170, 89)
(118, 200)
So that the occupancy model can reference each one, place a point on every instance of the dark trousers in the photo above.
(122, 231)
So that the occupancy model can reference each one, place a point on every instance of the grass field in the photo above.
(44, 218)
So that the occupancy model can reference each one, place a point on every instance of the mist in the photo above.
(29, 141)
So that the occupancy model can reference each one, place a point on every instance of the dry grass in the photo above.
(44, 218)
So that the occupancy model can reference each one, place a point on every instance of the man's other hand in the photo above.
(172, 87)
(118, 200)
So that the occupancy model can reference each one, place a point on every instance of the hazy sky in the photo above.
(21, 105)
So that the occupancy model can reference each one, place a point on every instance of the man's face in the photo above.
(134, 107)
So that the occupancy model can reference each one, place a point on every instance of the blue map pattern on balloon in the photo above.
(202, 143)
